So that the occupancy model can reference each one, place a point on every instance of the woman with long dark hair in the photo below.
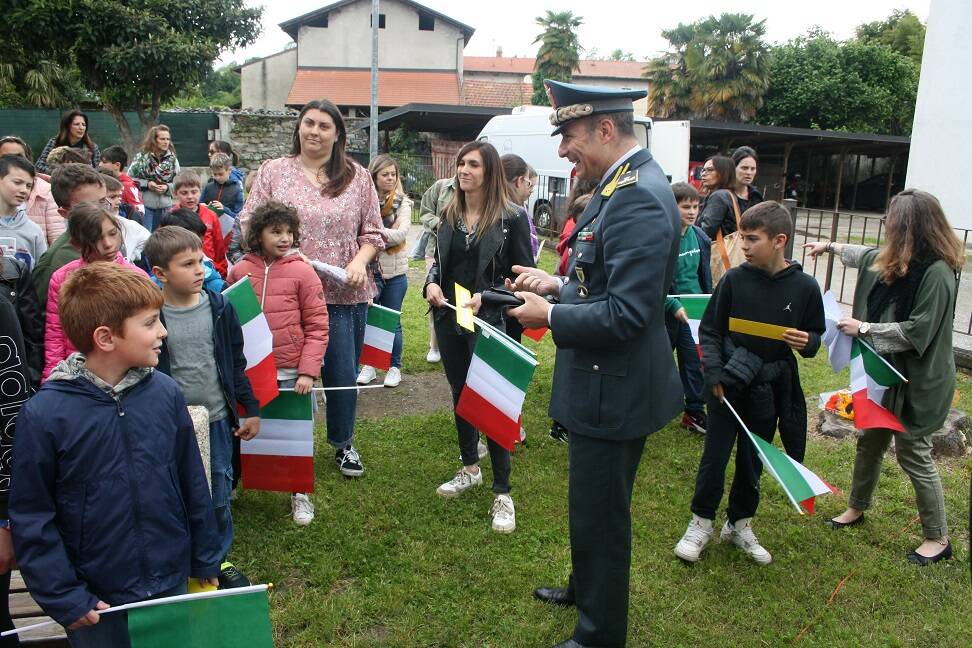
(904, 304)
(341, 226)
(720, 209)
(480, 237)
(746, 162)
(154, 168)
(73, 132)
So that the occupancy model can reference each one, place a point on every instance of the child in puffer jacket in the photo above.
(97, 234)
(292, 299)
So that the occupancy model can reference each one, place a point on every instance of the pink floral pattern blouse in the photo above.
(332, 230)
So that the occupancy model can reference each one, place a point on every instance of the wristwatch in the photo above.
(864, 328)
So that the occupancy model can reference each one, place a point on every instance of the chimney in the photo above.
(499, 51)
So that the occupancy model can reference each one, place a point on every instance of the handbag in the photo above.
(726, 250)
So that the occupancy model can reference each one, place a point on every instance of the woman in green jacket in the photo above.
(904, 304)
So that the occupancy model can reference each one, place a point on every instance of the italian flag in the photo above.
(261, 368)
(871, 375)
(800, 484)
(694, 306)
(281, 457)
(379, 336)
(499, 374)
(230, 618)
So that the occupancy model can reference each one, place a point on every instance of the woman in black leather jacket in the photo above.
(480, 237)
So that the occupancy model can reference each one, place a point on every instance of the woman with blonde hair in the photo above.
(391, 277)
(904, 304)
(154, 168)
(480, 237)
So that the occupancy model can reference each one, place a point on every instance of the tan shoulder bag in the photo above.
(726, 250)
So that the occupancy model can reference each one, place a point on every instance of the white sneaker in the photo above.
(302, 509)
(462, 482)
(367, 375)
(433, 356)
(394, 377)
(696, 537)
(741, 534)
(504, 516)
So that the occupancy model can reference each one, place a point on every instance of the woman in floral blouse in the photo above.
(154, 168)
(340, 225)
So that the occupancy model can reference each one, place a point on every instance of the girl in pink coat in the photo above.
(292, 299)
(96, 233)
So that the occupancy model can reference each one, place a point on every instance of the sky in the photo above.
(634, 27)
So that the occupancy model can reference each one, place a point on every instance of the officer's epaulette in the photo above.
(622, 178)
(629, 178)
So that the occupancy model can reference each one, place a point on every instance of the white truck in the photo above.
(526, 132)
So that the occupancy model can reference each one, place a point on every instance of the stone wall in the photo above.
(262, 135)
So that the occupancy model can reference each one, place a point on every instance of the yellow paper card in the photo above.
(759, 329)
(464, 316)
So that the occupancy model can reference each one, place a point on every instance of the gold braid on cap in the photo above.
(567, 113)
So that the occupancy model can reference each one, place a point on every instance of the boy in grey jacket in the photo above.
(20, 237)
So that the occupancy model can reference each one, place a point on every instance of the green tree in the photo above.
(558, 56)
(715, 68)
(818, 82)
(134, 55)
(902, 31)
(219, 88)
(27, 80)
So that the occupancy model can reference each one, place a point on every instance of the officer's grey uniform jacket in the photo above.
(615, 377)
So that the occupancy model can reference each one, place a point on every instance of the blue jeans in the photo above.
(391, 294)
(152, 216)
(689, 363)
(111, 631)
(345, 339)
(221, 472)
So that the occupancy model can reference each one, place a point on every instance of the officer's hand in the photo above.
(536, 281)
(719, 392)
(681, 316)
(533, 312)
(475, 303)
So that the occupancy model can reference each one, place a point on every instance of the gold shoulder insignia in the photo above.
(629, 178)
(613, 184)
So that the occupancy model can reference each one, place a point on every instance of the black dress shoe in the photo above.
(555, 595)
(570, 643)
(834, 524)
(918, 559)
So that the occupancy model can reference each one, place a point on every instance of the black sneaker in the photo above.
(558, 432)
(694, 422)
(348, 462)
(230, 577)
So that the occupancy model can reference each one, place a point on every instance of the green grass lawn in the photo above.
(387, 562)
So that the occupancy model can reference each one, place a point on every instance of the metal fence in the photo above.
(861, 229)
(548, 204)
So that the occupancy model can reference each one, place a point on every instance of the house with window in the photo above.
(420, 61)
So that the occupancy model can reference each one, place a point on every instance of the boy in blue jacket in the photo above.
(204, 354)
(109, 502)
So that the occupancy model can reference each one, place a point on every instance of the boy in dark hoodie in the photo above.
(758, 374)
(109, 502)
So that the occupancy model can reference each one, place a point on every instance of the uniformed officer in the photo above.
(614, 381)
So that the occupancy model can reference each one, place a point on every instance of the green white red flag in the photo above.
(379, 336)
(261, 368)
(281, 457)
(800, 484)
(223, 618)
(496, 385)
(694, 306)
(871, 376)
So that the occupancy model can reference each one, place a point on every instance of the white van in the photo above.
(526, 132)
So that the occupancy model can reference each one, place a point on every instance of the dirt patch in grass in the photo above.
(417, 394)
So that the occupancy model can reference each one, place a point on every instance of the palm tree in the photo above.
(559, 51)
(716, 68)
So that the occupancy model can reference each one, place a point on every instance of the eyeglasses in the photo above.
(706, 170)
(104, 202)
